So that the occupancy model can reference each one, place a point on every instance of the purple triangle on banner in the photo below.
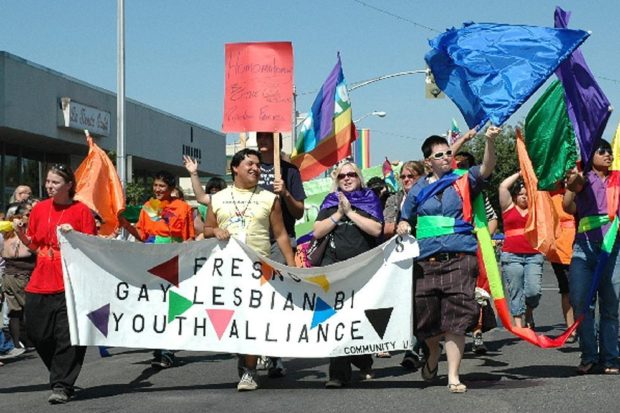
(100, 318)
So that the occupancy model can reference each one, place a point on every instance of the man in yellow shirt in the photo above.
(247, 212)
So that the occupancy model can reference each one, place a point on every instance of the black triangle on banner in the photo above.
(379, 318)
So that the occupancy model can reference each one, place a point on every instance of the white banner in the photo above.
(223, 297)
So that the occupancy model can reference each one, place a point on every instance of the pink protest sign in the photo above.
(259, 87)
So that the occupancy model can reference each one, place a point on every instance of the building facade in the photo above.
(43, 114)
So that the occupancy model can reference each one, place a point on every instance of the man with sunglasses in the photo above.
(438, 210)
(587, 196)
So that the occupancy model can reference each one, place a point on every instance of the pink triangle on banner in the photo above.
(220, 320)
(168, 270)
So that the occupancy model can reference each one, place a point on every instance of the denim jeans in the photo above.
(583, 263)
(523, 280)
(6, 344)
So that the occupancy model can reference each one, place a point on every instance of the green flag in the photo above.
(550, 138)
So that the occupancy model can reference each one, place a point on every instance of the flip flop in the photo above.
(428, 374)
(457, 388)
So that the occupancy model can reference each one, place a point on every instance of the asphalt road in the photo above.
(513, 376)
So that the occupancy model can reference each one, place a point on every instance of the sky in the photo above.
(175, 51)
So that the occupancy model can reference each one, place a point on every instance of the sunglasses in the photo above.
(603, 151)
(440, 155)
(407, 176)
(348, 174)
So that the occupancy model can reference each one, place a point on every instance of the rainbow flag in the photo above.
(326, 134)
(455, 132)
(361, 148)
(388, 175)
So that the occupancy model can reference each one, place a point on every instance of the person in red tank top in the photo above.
(46, 307)
(521, 264)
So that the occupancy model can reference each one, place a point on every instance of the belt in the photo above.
(514, 232)
(445, 256)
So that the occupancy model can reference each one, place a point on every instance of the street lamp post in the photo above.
(354, 87)
(378, 113)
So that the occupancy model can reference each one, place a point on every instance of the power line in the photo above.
(396, 16)
(398, 135)
(608, 79)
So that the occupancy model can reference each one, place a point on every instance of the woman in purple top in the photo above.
(586, 196)
(352, 217)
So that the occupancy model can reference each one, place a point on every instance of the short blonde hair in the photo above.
(413, 166)
(337, 171)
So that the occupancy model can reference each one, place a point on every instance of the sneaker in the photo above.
(247, 382)
(478, 346)
(58, 396)
(334, 384)
(277, 368)
(367, 374)
(164, 361)
(12, 353)
(411, 361)
(263, 363)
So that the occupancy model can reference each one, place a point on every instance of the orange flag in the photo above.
(98, 186)
(542, 227)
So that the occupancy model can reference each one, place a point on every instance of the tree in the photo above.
(507, 161)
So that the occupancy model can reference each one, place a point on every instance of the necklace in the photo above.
(50, 249)
(239, 213)
(266, 170)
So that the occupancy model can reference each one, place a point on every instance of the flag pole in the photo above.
(120, 96)
(276, 155)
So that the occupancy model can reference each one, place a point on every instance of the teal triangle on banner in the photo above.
(322, 311)
(177, 305)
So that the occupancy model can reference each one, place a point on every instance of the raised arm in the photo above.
(575, 180)
(192, 167)
(505, 199)
(489, 158)
(466, 137)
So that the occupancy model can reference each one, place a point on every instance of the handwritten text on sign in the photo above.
(259, 87)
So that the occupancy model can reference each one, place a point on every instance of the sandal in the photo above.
(427, 373)
(457, 388)
(611, 370)
(585, 368)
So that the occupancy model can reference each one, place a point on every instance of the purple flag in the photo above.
(588, 107)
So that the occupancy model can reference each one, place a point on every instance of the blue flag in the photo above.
(489, 70)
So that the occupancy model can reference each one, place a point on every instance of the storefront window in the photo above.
(11, 178)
